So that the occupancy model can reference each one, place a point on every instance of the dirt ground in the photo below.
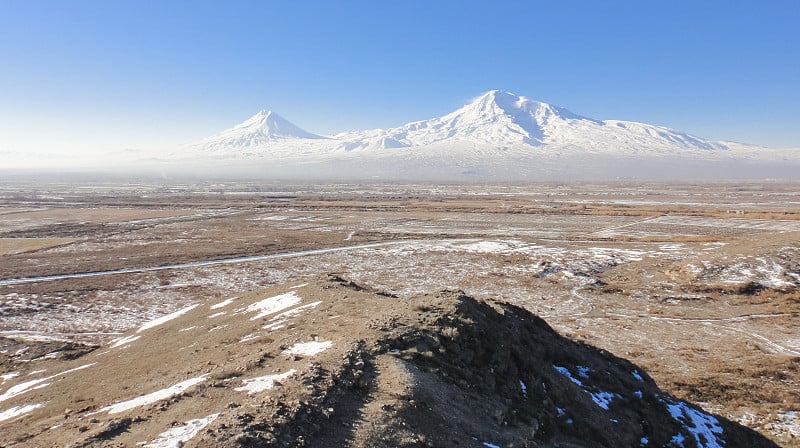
(697, 284)
(330, 363)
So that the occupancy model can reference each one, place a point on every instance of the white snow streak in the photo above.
(703, 427)
(18, 410)
(153, 396)
(279, 320)
(8, 376)
(262, 383)
(273, 304)
(21, 388)
(602, 399)
(223, 303)
(164, 319)
(176, 436)
(124, 341)
(564, 371)
(308, 348)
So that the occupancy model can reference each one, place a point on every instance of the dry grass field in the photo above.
(9, 246)
(698, 284)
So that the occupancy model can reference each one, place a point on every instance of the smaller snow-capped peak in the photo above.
(261, 129)
(270, 125)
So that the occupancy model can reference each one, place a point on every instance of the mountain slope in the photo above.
(504, 120)
(331, 364)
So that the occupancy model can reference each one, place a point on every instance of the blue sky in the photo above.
(106, 75)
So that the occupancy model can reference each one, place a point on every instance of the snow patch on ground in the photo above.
(176, 436)
(262, 383)
(294, 312)
(152, 397)
(602, 399)
(564, 371)
(787, 422)
(705, 428)
(273, 304)
(487, 247)
(18, 410)
(124, 341)
(224, 303)
(767, 273)
(274, 326)
(279, 320)
(163, 319)
(308, 348)
(694, 269)
(21, 388)
(9, 376)
(250, 337)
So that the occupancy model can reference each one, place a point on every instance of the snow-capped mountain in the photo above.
(505, 120)
(498, 136)
(263, 129)
(496, 119)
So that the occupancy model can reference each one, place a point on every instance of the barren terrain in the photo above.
(697, 284)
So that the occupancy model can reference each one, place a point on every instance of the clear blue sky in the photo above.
(96, 75)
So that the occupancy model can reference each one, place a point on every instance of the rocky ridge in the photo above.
(329, 363)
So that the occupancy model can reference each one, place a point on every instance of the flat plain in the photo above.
(696, 283)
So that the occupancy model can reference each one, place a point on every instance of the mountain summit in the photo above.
(262, 129)
(503, 117)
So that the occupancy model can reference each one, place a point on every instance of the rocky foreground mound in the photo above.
(331, 364)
